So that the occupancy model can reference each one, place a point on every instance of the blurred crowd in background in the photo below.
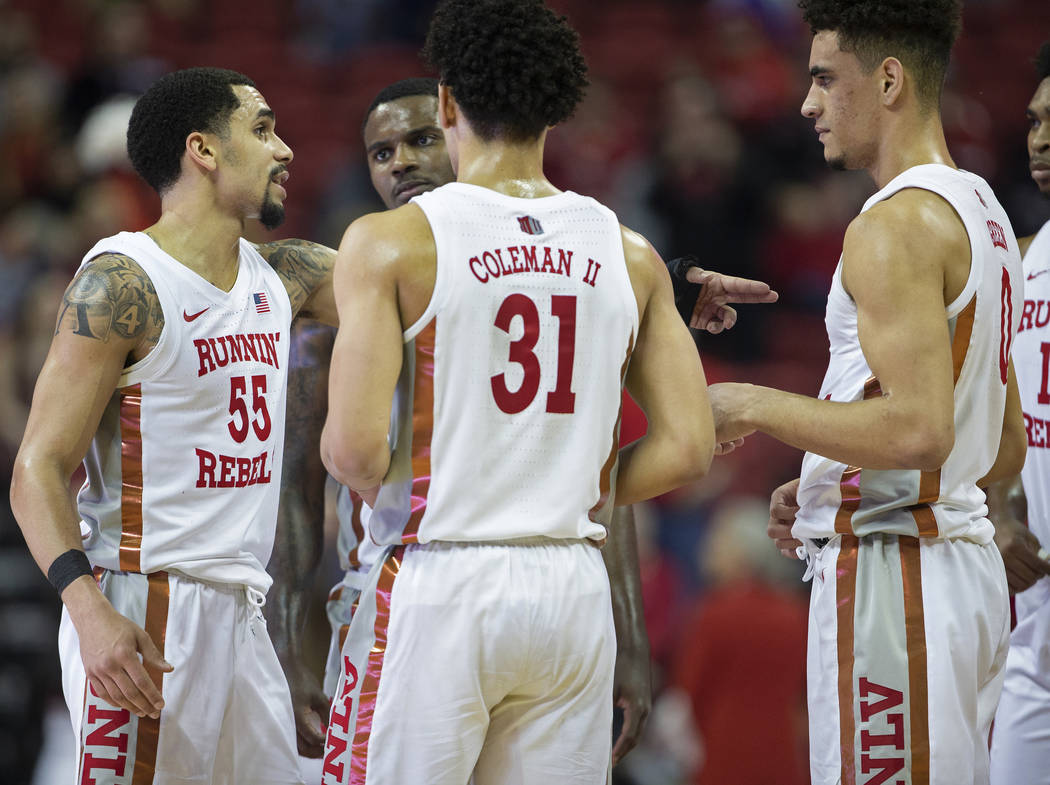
(690, 131)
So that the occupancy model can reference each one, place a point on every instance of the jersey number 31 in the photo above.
(560, 400)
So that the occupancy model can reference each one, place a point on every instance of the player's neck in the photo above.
(910, 144)
(199, 236)
(515, 169)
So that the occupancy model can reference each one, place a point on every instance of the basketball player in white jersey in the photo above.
(909, 614)
(1021, 734)
(483, 644)
(167, 376)
(406, 156)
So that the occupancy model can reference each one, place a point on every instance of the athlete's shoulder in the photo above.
(112, 298)
(392, 237)
(303, 266)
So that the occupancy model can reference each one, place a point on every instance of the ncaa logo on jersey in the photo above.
(529, 225)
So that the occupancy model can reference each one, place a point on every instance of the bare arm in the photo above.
(632, 682)
(367, 357)
(897, 279)
(299, 541)
(664, 372)
(1013, 444)
(109, 317)
(306, 269)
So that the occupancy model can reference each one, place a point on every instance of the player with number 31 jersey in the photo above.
(527, 290)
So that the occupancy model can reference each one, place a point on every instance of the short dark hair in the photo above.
(406, 88)
(1042, 62)
(919, 33)
(176, 105)
(514, 67)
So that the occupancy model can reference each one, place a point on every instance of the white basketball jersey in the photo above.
(507, 410)
(184, 472)
(1031, 354)
(836, 498)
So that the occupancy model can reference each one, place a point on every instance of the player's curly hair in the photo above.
(919, 33)
(513, 66)
(1042, 62)
(176, 105)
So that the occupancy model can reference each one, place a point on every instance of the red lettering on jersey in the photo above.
(204, 355)
(1036, 429)
(475, 264)
(548, 261)
(515, 265)
(233, 471)
(226, 350)
(591, 276)
(884, 768)
(529, 254)
(564, 262)
(997, 234)
(1026, 316)
(1040, 320)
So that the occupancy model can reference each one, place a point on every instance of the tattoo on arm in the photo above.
(111, 296)
(301, 264)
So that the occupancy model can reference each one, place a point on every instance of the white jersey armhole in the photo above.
(440, 281)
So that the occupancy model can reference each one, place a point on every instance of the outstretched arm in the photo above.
(299, 541)
(110, 315)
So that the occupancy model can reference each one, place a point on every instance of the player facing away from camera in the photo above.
(406, 156)
(166, 376)
(1021, 734)
(909, 614)
(483, 643)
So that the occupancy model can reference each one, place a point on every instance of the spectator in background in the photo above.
(741, 656)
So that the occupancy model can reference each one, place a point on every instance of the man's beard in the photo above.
(272, 214)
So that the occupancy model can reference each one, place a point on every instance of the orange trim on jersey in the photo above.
(374, 668)
(158, 598)
(845, 597)
(422, 428)
(131, 478)
(357, 528)
(961, 339)
(849, 485)
(915, 637)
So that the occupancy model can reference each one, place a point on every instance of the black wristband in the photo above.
(67, 568)
(686, 292)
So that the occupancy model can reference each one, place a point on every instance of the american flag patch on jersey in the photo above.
(262, 305)
(529, 225)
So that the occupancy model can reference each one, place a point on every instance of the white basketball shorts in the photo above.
(491, 659)
(1021, 735)
(907, 643)
(227, 716)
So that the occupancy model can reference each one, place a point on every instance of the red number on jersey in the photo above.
(1044, 393)
(561, 400)
(1006, 318)
(239, 408)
